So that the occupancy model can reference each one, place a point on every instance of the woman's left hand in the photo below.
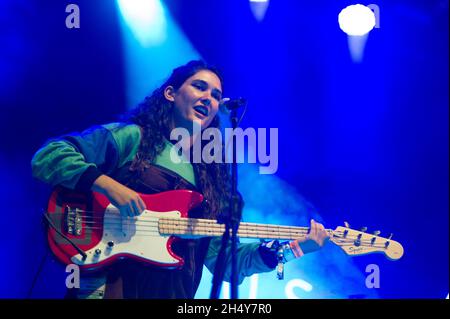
(315, 239)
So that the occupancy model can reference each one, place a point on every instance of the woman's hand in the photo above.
(315, 239)
(128, 202)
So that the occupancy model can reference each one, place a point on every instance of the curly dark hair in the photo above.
(153, 115)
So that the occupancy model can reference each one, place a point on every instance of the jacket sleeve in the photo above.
(252, 258)
(77, 160)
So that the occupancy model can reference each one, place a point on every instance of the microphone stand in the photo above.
(231, 221)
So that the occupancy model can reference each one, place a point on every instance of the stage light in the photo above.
(146, 20)
(259, 8)
(356, 20)
(153, 44)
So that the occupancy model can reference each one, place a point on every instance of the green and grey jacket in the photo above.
(77, 160)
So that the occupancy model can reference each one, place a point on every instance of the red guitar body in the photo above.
(95, 226)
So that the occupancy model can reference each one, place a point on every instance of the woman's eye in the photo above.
(198, 86)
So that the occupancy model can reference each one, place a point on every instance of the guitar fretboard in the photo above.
(210, 228)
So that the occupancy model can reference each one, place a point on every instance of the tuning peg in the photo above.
(376, 232)
(363, 229)
(388, 240)
(357, 242)
(346, 224)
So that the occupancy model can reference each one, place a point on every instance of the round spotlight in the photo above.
(356, 20)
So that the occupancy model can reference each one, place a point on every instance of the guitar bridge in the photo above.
(73, 224)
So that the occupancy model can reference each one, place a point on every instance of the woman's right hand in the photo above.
(128, 201)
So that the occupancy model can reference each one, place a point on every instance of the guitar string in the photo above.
(150, 219)
(93, 219)
(341, 240)
(206, 226)
(209, 225)
(100, 218)
(111, 219)
(171, 229)
(197, 220)
(180, 222)
(250, 227)
(196, 223)
(199, 225)
(293, 232)
(189, 222)
(203, 234)
(337, 240)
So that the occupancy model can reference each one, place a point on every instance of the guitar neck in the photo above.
(193, 227)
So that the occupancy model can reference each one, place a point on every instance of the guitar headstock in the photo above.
(358, 242)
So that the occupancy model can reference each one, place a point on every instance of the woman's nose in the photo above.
(206, 101)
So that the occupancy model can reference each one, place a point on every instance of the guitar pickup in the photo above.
(73, 222)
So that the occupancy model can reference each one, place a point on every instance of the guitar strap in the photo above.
(152, 179)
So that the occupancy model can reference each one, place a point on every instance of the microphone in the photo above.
(227, 104)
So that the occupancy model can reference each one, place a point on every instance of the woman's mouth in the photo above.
(201, 109)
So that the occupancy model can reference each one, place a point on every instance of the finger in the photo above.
(138, 204)
(131, 212)
(327, 235)
(321, 230)
(322, 234)
(136, 208)
(142, 204)
(124, 212)
(324, 240)
(313, 228)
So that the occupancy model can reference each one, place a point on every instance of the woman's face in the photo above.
(196, 101)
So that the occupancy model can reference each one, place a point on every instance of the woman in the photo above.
(123, 159)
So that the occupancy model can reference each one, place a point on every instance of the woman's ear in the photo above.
(169, 93)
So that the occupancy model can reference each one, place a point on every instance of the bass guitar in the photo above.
(87, 230)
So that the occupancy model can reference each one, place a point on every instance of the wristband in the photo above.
(295, 248)
(285, 251)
